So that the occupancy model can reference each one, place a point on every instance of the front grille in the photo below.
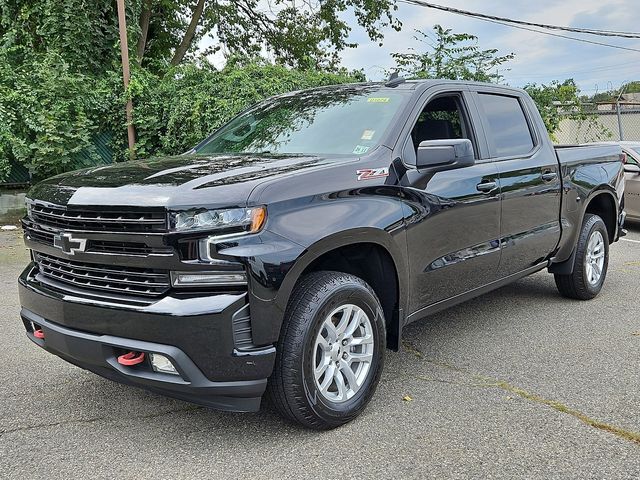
(98, 246)
(114, 279)
(125, 248)
(102, 220)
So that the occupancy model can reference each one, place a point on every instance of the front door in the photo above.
(456, 249)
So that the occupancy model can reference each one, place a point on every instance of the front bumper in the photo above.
(197, 334)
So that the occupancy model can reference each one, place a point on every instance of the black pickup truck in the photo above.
(286, 252)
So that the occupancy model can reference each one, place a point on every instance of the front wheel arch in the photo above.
(322, 255)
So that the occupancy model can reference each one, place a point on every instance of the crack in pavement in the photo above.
(486, 381)
(98, 419)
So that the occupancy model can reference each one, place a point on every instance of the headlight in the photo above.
(28, 204)
(230, 220)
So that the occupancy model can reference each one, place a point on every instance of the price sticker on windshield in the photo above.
(378, 100)
(367, 134)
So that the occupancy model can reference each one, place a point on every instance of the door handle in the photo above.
(548, 176)
(486, 187)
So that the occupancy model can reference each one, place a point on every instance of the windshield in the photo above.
(327, 121)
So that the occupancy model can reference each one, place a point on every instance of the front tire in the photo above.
(330, 352)
(591, 262)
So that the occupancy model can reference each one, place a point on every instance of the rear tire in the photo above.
(333, 322)
(591, 262)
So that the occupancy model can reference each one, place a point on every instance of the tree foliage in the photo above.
(295, 33)
(561, 100)
(611, 96)
(61, 83)
(176, 111)
(455, 56)
(49, 114)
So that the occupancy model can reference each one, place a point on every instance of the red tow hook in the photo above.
(38, 334)
(131, 358)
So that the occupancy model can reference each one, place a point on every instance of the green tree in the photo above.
(455, 56)
(298, 34)
(174, 112)
(631, 87)
(60, 77)
(557, 101)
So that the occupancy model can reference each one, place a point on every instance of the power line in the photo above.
(617, 68)
(589, 31)
(583, 40)
(509, 23)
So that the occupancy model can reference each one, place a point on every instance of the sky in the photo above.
(538, 58)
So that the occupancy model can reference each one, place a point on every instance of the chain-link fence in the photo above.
(603, 122)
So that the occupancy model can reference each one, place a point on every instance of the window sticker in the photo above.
(367, 134)
(378, 100)
(360, 149)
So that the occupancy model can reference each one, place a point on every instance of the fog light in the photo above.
(162, 364)
(203, 279)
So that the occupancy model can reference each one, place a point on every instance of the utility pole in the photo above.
(124, 53)
(618, 113)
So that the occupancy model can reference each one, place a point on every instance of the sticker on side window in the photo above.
(372, 173)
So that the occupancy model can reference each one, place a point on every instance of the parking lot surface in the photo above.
(517, 383)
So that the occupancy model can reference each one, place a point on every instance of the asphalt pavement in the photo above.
(519, 383)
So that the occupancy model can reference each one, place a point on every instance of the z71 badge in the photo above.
(371, 173)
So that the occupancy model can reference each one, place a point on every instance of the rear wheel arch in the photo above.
(603, 203)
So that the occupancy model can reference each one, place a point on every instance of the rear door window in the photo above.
(507, 126)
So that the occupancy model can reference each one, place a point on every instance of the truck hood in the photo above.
(179, 181)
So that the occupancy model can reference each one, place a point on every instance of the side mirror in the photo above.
(438, 155)
(631, 168)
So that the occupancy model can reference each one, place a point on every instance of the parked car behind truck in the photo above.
(288, 251)
(631, 150)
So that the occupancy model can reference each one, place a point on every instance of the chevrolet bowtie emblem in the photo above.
(68, 244)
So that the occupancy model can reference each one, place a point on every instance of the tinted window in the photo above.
(326, 121)
(508, 126)
(441, 119)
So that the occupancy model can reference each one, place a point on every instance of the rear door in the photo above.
(529, 179)
(456, 249)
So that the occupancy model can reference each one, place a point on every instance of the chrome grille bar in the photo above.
(125, 280)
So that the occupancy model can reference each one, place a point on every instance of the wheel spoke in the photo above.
(331, 329)
(360, 357)
(323, 343)
(350, 376)
(342, 389)
(353, 324)
(320, 369)
(366, 340)
(344, 320)
(597, 269)
(328, 378)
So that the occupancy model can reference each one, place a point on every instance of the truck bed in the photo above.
(584, 154)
